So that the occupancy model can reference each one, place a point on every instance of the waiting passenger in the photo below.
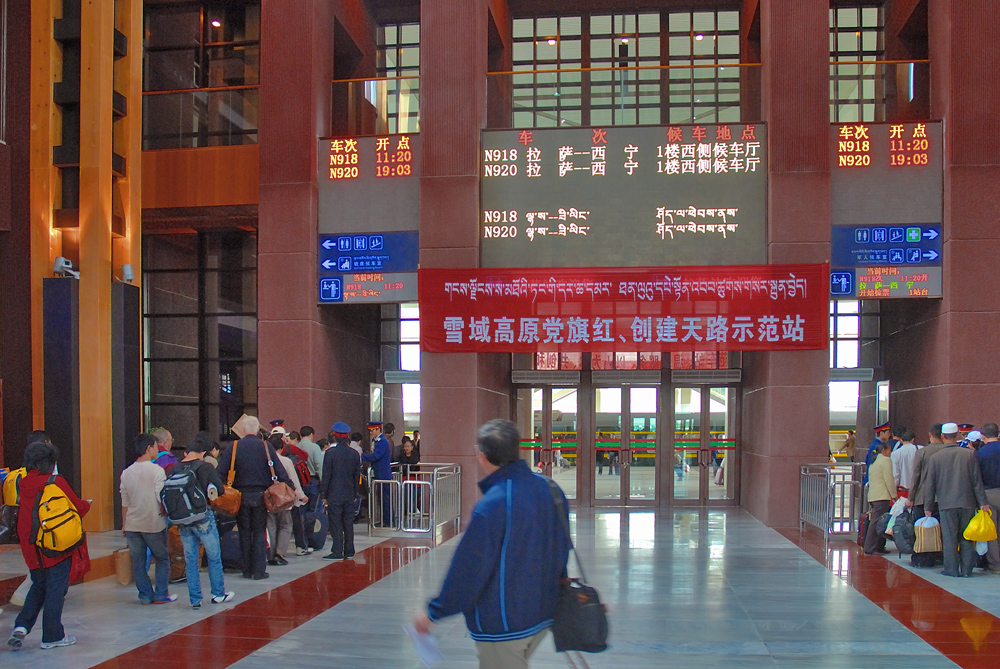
(989, 467)
(143, 522)
(49, 575)
(902, 463)
(881, 495)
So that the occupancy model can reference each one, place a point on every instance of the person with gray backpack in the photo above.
(186, 493)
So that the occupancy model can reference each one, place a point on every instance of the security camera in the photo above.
(127, 274)
(64, 267)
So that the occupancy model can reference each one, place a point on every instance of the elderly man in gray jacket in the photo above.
(954, 488)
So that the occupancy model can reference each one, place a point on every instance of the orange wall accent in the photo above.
(206, 177)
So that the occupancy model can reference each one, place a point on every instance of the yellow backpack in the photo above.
(11, 495)
(55, 522)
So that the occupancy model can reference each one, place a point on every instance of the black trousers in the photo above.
(874, 542)
(298, 527)
(252, 523)
(341, 515)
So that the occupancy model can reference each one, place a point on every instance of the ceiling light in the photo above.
(624, 40)
(552, 41)
(699, 37)
(216, 23)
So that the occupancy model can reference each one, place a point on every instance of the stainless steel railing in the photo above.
(831, 497)
(420, 498)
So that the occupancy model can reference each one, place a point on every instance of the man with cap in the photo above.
(955, 489)
(339, 486)
(883, 433)
(963, 432)
(918, 478)
(989, 466)
(381, 459)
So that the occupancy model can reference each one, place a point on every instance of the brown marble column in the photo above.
(940, 354)
(314, 364)
(459, 391)
(785, 394)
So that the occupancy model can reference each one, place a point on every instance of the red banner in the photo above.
(731, 308)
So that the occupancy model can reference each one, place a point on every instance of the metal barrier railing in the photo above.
(419, 498)
(831, 497)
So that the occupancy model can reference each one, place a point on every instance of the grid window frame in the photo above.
(857, 35)
(398, 64)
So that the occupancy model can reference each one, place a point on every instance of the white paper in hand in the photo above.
(426, 646)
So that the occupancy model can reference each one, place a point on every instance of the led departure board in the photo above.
(886, 173)
(639, 196)
(368, 217)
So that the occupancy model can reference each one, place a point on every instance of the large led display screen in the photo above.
(639, 196)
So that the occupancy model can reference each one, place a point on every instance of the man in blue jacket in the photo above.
(504, 576)
(381, 460)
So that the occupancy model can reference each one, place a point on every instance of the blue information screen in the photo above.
(886, 261)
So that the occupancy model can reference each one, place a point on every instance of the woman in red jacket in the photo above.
(49, 575)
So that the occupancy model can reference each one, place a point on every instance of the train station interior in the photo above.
(691, 247)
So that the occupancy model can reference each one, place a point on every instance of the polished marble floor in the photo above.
(684, 588)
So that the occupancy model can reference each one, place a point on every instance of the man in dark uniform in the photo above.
(339, 486)
(963, 434)
(882, 434)
(380, 457)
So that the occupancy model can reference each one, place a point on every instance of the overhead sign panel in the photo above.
(887, 209)
(368, 218)
(624, 196)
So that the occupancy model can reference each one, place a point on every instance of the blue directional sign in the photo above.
(841, 283)
(376, 252)
(871, 246)
(331, 289)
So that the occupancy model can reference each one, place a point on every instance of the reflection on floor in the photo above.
(685, 588)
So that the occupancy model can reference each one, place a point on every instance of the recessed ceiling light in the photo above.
(216, 23)
(624, 40)
(552, 41)
(699, 37)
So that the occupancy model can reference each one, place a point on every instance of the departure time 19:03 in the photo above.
(393, 170)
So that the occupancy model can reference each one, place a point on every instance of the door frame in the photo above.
(705, 447)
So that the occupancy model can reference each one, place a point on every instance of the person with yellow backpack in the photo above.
(49, 529)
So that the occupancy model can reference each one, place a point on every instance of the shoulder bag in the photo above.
(580, 620)
(228, 503)
(280, 496)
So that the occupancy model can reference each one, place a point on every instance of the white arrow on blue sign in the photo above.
(328, 264)
(931, 234)
(328, 244)
(931, 255)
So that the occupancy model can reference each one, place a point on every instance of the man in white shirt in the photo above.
(143, 522)
(902, 462)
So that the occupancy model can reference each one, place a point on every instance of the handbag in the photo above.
(580, 622)
(280, 496)
(928, 536)
(981, 527)
(228, 503)
(123, 566)
(81, 561)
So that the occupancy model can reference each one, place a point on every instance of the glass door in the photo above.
(705, 455)
(625, 445)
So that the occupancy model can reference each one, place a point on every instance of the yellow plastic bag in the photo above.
(981, 527)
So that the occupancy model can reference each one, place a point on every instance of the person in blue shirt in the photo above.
(505, 574)
(381, 459)
(883, 433)
(989, 466)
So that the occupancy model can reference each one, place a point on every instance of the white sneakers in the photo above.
(65, 641)
(225, 598)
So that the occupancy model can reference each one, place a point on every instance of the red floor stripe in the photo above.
(965, 634)
(236, 632)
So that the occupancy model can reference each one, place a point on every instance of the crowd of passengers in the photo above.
(253, 496)
(951, 478)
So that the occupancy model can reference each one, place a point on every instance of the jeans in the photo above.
(252, 523)
(47, 594)
(207, 535)
(341, 515)
(156, 542)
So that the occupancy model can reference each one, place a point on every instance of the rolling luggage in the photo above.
(229, 545)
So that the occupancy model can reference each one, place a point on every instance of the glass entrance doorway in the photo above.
(705, 457)
(625, 453)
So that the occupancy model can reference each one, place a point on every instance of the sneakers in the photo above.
(65, 641)
(166, 600)
(17, 638)
(225, 598)
(301, 551)
(309, 550)
(331, 556)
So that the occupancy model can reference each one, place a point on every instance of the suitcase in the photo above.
(229, 545)
(863, 528)
(317, 526)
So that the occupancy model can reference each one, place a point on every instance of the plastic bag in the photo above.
(981, 527)
(927, 521)
(981, 547)
(898, 507)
